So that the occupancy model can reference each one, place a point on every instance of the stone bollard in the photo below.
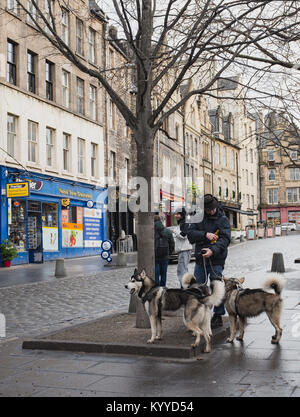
(277, 263)
(132, 304)
(60, 270)
(121, 259)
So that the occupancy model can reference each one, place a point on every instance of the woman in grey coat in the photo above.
(182, 245)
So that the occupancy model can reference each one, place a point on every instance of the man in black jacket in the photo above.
(211, 236)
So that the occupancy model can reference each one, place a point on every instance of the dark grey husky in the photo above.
(242, 303)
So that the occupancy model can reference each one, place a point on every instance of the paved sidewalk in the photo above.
(253, 368)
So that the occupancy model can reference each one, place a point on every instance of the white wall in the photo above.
(27, 108)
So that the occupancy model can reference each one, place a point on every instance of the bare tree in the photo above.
(172, 40)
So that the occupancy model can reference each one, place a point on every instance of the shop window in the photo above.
(72, 227)
(17, 223)
(34, 206)
(50, 215)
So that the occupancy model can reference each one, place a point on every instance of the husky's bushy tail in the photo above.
(218, 293)
(188, 279)
(218, 289)
(275, 283)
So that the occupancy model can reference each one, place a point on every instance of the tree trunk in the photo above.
(145, 229)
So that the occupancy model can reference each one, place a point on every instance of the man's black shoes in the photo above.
(216, 321)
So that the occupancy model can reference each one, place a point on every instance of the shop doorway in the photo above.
(34, 232)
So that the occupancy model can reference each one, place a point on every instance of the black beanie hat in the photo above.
(210, 202)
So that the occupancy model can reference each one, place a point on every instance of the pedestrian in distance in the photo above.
(182, 244)
(212, 238)
(164, 246)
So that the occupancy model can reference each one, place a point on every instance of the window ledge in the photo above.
(80, 56)
(49, 169)
(94, 64)
(67, 173)
(32, 165)
(82, 178)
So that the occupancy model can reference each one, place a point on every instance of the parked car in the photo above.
(174, 255)
(288, 226)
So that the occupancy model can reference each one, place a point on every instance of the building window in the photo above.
(293, 155)
(50, 146)
(66, 151)
(205, 151)
(65, 88)
(32, 10)
(126, 176)
(12, 135)
(224, 156)
(226, 191)
(12, 62)
(12, 6)
(233, 190)
(232, 160)
(79, 36)
(81, 155)
(111, 58)
(50, 216)
(32, 141)
(247, 177)
(292, 195)
(166, 168)
(93, 107)
(49, 6)
(65, 26)
(49, 80)
(31, 81)
(17, 223)
(271, 155)
(80, 96)
(272, 196)
(94, 153)
(111, 114)
(112, 166)
(252, 202)
(219, 188)
(177, 132)
(92, 45)
(251, 179)
(294, 174)
(272, 174)
(251, 156)
(218, 154)
(192, 146)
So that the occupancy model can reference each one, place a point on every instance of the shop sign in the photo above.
(65, 202)
(35, 185)
(17, 189)
(92, 228)
(75, 194)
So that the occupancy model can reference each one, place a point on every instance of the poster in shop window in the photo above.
(50, 238)
(92, 228)
(72, 233)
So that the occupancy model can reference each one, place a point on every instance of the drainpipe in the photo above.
(212, 166)
(237, 184)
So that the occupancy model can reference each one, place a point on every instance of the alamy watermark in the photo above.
(296, 326)
(2, 325)
(137, 195)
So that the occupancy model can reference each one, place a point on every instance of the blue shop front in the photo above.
(48, 217)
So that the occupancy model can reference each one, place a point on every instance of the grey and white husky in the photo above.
(242, 303)
(197, 304)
